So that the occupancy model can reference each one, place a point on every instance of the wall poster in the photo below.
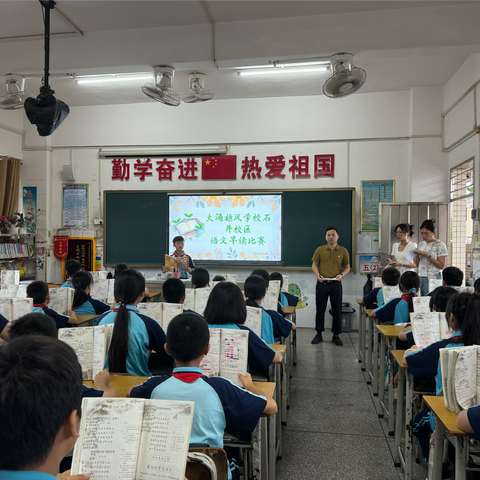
(75, 205)
(372, 192)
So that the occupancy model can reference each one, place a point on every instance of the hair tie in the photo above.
(413, 290)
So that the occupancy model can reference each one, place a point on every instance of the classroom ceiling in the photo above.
(401, 44)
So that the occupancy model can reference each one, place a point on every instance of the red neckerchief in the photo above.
(187, 377)
(41, 305)
(175, 254)
(406, 296)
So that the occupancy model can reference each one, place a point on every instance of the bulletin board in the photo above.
(75, 205)
(372, 192)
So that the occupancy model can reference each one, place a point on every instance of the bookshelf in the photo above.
(16, 248)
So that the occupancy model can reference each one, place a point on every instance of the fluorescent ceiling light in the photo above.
(114, 77)
(279, 70)
(159, 151)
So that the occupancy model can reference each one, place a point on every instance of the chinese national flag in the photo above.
(219, 168)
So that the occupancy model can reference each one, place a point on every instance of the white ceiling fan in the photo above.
(160, 90)
(197, 89)
(346, 78)
(16, 94)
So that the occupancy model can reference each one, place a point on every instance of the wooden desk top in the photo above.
(398, 356)
(288, 309)
(53, 286)
(360, 301)
(280, 349)
(153, 294)
(122, 383)
(389, 331)
(448, 418)
(369, 311)
(82, 318)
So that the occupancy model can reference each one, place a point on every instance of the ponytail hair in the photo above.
(429, 225)
(128, 287)
(255, 288)
(80, 282)
(410, 281)
(465, 307)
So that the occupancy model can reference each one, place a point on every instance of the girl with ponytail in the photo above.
(134, 335)
(83, 303)
(463, 317)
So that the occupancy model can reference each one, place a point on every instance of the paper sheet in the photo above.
(189, 302)
(390, 292)
(210, 363)
(10, 277)
(111, 287)
(201, 299)
(153, 310)
(421, 304)
(8, 290)
(170, 310)
(233, 354)
(425, 328)
(466, 378)
(100, 290)
(254, 320)
(21, 307)
(6, 308)
(82, 342)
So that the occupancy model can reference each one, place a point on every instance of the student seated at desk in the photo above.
(218, 278)
(463, 317)
(4, 328)
(173, 291)
(390, 277)
(285, 299)
(83, 303)
(40, 407)
(135, 335)
(452, 277)
(118, 268)
(397, 310)
(72, 266)
(438, 303)
(226, 309)
(469, 420)
(200, 278)
(219, 403)
(39, 292)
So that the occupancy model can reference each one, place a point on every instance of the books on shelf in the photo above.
(228, 355)
(91, 345)
(254, 320)
(14, 250)
(14, 308)
(390, 292)
(460, 377)
(428, 328)
(61, 299)
(152, 435)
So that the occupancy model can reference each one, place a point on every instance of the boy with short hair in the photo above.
(40, 428)
(173, 291)
(179, 244)
(219, 403)
(39, 291)
(72, 266)
(390, 277)
(452, 277)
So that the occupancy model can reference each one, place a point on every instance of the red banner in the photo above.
(60, 247)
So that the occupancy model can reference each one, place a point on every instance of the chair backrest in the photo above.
(207, 463)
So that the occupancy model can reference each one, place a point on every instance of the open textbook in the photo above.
(14, 308)
(421, 304)
(10, 277)
(100, 289)
(434, 283)
(99, 275)
(377, 282)
(460, 377)
(133, 439)
(196, 299)
(161, 312)
(270, 302)
(61, 299)
(176, 263)
(428, 328)
(390, 292)
(254, 320)
(91, 345)
(228, 355)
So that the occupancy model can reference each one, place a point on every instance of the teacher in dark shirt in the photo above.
(330, 263)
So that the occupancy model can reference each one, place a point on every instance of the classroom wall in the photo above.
(11, 131)
(390, 135)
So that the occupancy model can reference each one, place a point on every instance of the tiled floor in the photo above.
(333, 430)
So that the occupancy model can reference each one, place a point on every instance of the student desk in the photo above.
(388, 340)
(263, 458)
(404, 458)
(291, 314)
(152, 295)
(281, 379)
(447, 424)
(362, 332)
(85, 320)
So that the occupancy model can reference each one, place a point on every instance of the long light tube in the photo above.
(282, 70)
(112, 78)
(154, 151)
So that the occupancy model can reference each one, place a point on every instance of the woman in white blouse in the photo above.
(431, 255)
(400, 250)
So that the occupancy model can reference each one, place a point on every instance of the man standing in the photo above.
(330, 264)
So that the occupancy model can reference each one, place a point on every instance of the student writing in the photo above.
(83, 303)
(219, 403)
(134, 335)
(72, 266)
(39, 292)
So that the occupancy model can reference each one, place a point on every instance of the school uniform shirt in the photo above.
(281, 326)
(3, 323)
(410, 339)
(267, 327)
(92, 307)
(291, 299)
(88, 392)
(219, 403)
(24, 475)
(60, 320)
(260, 355)
(396, 309)
(435, 249)
(144, 335)
(473, 415)
(427, 361)
(68, 283)
(190, 261)
(374, 296)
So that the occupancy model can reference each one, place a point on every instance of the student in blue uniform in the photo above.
(179, 244)
(173, 291)
(469, 420)
(219, 403)
(281, 326)
(4, 328)
(39, 292)
(452, 277)
(463, 316)
(38, 428)
(285, 299)
(83, 303)
(200, 278)
(135, 335)
(390, 277)
(398, 310)
(72, 266)
(226, 309)
(120, 267)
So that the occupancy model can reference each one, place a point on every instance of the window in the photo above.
(461, 225)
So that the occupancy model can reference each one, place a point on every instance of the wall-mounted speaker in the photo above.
(69, 173)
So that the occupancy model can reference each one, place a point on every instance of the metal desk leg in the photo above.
(381, 376)
(284, 390)
(391, 377)
(278, 426)
(361, 336)
(369, 350)
(399, 417)
(272, 450)
(257, 453)
(375, 359)
(438, 451)
(461, 457)
(266, 471)
(408, 426)
(294, 339)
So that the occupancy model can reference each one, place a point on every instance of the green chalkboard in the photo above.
(136, 223)
(306, 215)
(135, 230)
